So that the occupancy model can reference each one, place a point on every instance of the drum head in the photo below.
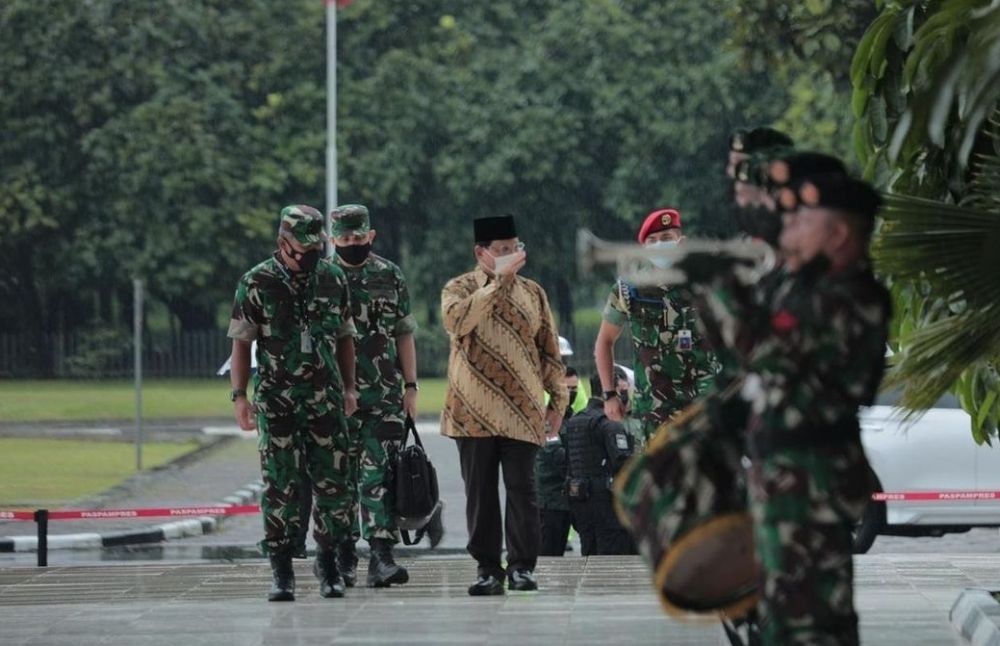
(711, 568)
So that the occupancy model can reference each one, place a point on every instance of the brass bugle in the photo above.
(634, 262)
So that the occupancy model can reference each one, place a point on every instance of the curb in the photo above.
(976, 616)
(155, 534)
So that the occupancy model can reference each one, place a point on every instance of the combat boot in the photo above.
(331, 584)
(347, 561)
(283, 584)
(382, 568)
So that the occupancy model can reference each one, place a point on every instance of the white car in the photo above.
(932, 476)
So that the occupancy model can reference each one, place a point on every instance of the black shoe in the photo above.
(347, 561)
(300, 552)
(435, 527)
(486, 586)
(522, 580)
(283, 577)
(331, 584)
(382, 568)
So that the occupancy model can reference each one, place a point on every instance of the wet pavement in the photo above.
(210, 589)
(600, 600)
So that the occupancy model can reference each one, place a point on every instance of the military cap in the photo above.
(659, 220)
(304, 223)
(840, 192)
(753, 170)
(349, 219)
(499, 227)
(754, 139)
(793, 167)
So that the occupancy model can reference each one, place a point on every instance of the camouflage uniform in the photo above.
(380, 306)
(819, 355)
(668, 374)
(297, 320)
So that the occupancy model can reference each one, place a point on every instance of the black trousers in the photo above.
(482, 460)
(555, 531)
(598, 527)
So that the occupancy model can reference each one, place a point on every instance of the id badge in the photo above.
(685, 342)
(306, 345)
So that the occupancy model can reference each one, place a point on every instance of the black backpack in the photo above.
(415, 485)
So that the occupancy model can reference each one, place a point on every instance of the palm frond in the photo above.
(937, 355)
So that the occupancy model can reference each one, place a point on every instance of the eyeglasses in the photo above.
(506, 250)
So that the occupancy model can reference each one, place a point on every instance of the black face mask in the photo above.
(307, 260)
(572, 395)
(758, 222)
(355, 254)
(623, 395)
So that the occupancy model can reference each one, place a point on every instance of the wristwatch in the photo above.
(411, 384)
(236, 393)
(608, 394)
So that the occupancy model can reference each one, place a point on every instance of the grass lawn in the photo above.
(66, 400)
(49, 472)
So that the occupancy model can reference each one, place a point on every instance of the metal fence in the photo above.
(107, 354)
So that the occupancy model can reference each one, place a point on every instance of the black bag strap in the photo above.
(409, 426)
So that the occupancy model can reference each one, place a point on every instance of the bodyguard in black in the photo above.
(596, 448)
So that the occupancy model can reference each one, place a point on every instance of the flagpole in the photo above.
(331, 113)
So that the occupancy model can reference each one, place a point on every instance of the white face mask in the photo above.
(501, 263)
(662, 263)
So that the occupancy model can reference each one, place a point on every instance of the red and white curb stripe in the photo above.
(932, 496)
(198, 520)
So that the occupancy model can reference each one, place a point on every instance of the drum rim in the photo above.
(733, 609)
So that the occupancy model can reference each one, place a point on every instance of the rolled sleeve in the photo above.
(347, 328)
(405, 325)
(242, 330)
(615, 309)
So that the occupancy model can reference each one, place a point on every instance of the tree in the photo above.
(926, 81)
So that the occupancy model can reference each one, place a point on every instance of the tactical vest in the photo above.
(585, 454)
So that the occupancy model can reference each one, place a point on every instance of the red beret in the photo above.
(658, 221)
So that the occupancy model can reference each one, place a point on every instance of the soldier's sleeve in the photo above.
(552, 368)
(616, 309)
(347, 327)
(246, 318)
(406, 323)
(731, 314)
(464, 305)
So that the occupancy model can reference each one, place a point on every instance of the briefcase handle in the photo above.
(409, 426)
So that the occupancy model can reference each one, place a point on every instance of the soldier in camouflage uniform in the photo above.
(818, 356)
(672, 366)
(387, 383)
(296, 306)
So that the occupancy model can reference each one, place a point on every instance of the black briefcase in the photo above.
(415, 486)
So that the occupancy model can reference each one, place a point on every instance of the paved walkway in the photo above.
(903, 600)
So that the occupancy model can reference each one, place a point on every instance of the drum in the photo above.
(684, 500)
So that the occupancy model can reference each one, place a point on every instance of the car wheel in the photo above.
(872, 522)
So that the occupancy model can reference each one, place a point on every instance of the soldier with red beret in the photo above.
(671, 364)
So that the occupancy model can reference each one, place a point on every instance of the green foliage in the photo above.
(804, 46)
(925, 79)
(159, 138)
(100, 348)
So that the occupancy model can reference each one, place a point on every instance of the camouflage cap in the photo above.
(349, 219)
(304, 223)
